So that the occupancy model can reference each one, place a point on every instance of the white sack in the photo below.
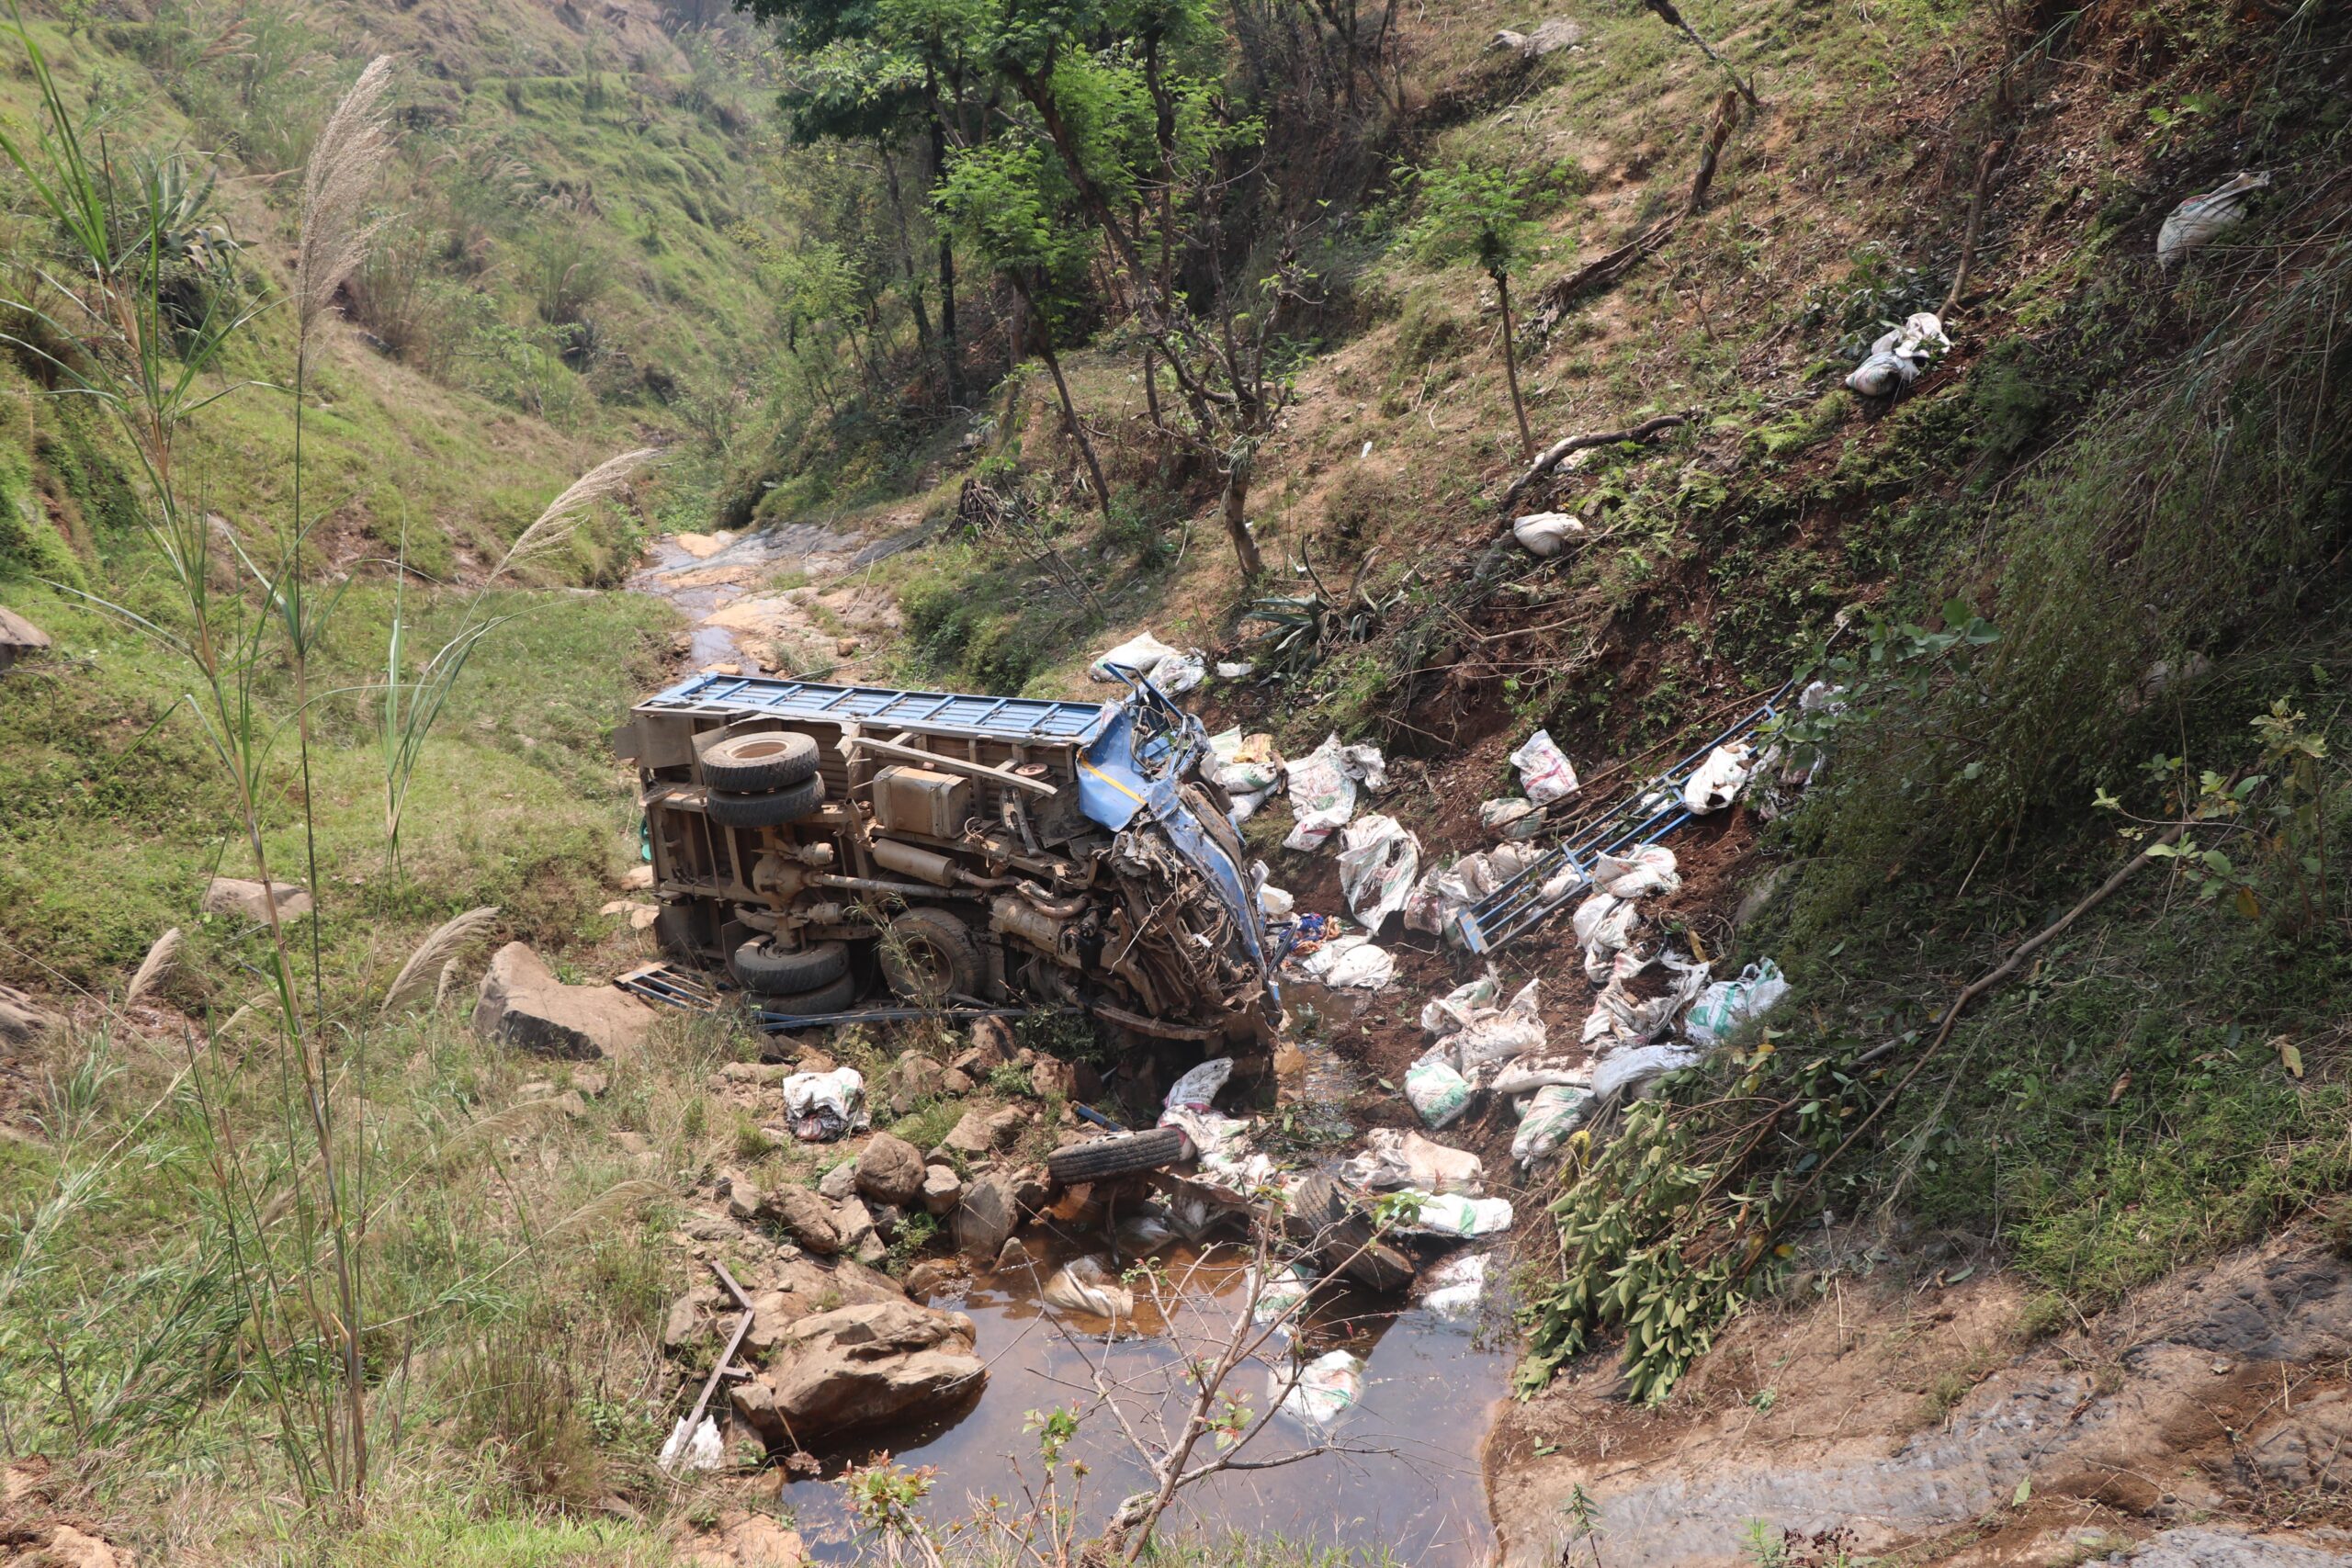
(1436, 1089)
(1327, 1388)
(1544, 769)
(1556, 1111)
(1545, 533)
(1085, 1285)
(1723, 1007)
(1717, 781)
(1378, 859)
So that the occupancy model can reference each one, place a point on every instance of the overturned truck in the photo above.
(817, 839)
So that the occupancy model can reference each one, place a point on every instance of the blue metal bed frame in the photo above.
(1644, 817)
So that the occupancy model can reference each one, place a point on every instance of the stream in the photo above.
(1401, 1471)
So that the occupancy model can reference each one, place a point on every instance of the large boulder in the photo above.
(805, 1218)
(19, 638)
(889, 1170)
(524, 1004)
(250, 900)
(857, 1367)
(943, 1190)
(986, 1216)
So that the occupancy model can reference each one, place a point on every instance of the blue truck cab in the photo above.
(823, 841)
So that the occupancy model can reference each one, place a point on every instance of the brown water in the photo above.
(1408, 1480)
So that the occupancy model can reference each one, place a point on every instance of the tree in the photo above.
(1482, 212)
(1005, 202)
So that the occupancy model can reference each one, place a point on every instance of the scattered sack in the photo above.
(1275, 902)
(1322, 795)
(1452, 1012)
(1245, 767)
(701, 1450)
(820, 1107)
(1378, 861)
(1436, 1089)
(1198, 1088)
(1646, 871)
(1172, 669)
(1544, 769)
(1605, 925)
(1494, 1038)
(1456, 1287)
(1391, 1159)
(1513, 817)
(1194, 1209)
(1723, 1007)
(1452, 1213)
(1326, 1388)
(1234, 670)
(1557, 1111)
(1716, 783)
(1632, 1068)
(1620, 1017)
(1896, 360)
(1545, 533)
(1286, 1293)
(1349, 963)
(1139, 1235)
(1083, 1284)
(2196, 222)
(1525, 1075)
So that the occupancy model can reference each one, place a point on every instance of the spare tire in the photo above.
(1343, 1238)
(928, 955)
(836, 995)
(763, 760)
(786, 971)
(1126, 1153)
(766, 810)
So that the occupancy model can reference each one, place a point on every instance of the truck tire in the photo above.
(1124, 1154)
(760, 762)
(786, 971)
(772, 810)
(1343, 1238)
(928, 953)
(834, 996)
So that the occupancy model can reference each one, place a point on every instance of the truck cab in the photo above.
(821, 840)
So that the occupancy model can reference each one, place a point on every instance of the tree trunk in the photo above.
(1237, 521)
(1510, 370)
(951, 350)
(1070, 410)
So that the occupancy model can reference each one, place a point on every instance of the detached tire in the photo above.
(766, 810)
(783, 972)
(764, 760)
(1125, 1154)
(836, 995)
(928, 955)
(1345, 1238)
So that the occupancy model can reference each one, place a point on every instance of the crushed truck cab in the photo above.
(819, 840)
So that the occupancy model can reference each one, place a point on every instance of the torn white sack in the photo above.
(1544, 769)
(1723, 1007)
(1285, 1293)
(822, 1106)
(1349, 963)
(1172, 669)
(701, 1450)
(2197, 221)
(1645, 872)
(1557, 1111)
(1630, 1069)
(1452, 1011)
(1451, 1213)
(1325, 1389)
(1198, 1088)
(1393, 1159)
(1083, 1284)
(1717, 781)
(1494, 1038)
(1525, 1075)
(1322, 795)
(1545, 533)
(1436, 1089)
(1455, 1288)
(1378, 859)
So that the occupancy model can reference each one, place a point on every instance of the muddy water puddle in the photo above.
(1403, 1478)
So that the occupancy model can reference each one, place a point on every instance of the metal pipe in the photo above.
(876, 884)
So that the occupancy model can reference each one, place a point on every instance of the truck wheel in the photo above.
(1124, 1154)
(764, 760)
(928, 953)
(773, 810)
(834, 996)
(783, 971)
(1343, 1238)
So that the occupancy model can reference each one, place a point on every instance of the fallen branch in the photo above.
(1551, 457)
(1985, 161)
(1607, 269)
(1663, 10)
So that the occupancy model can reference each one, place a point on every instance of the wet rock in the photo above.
(889, 1170)
(942, 1189)
(250, 900)
(806, 1217)
(861, 1366)
(21, 1022)
(524, 1004)
(1030, 1190)
(839, 1182)
(929, 1277)
(985, 1218)
(1015, 1258)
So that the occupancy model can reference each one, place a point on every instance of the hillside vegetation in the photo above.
(1238, 322)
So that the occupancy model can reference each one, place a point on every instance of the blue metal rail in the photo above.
(1644, 817)
(932, 713)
